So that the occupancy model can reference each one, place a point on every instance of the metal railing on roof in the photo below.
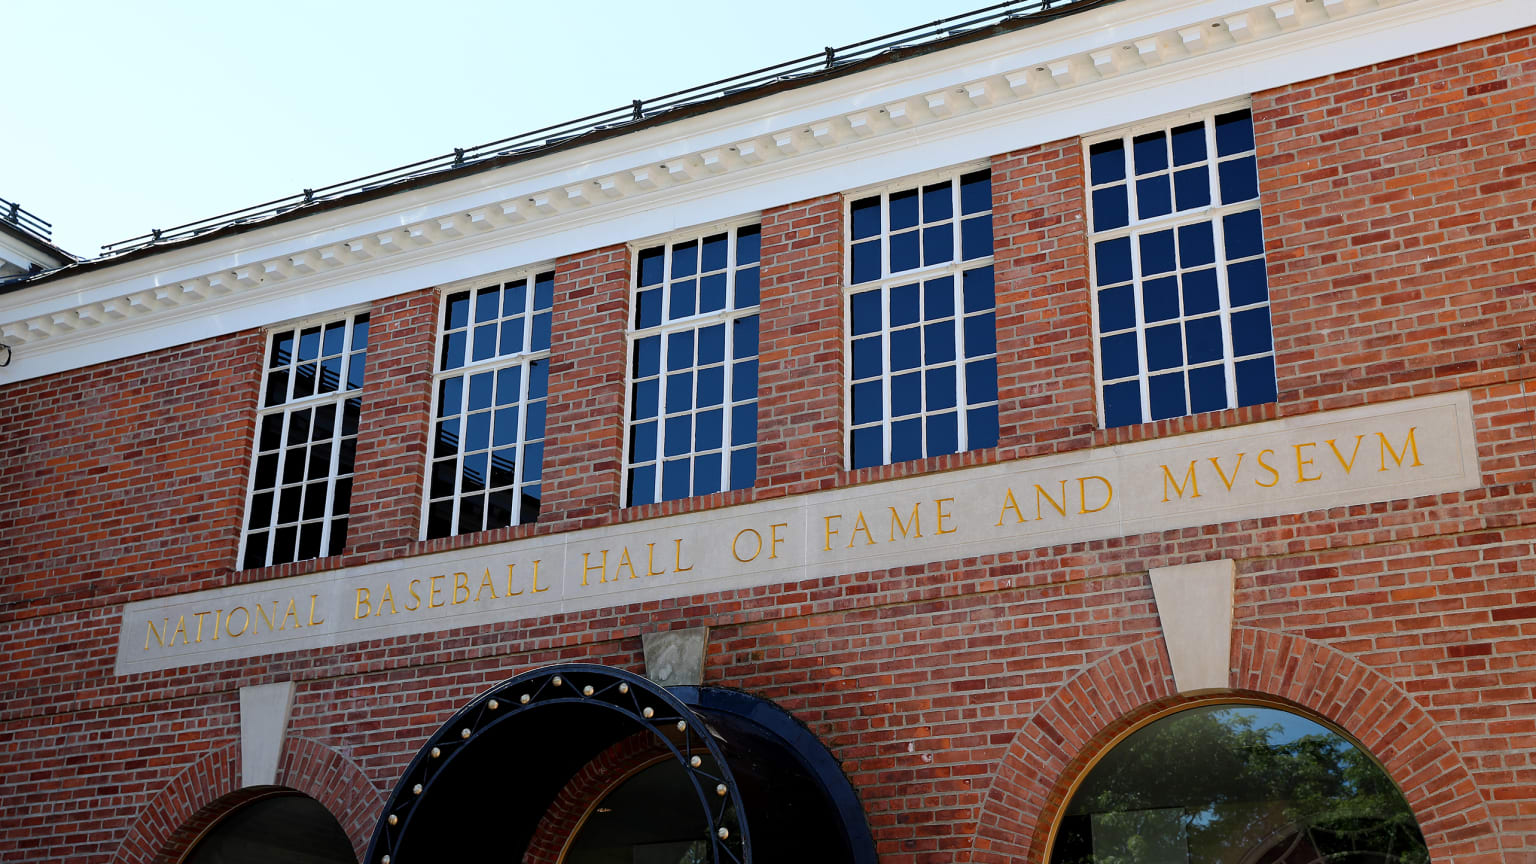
(14, 215)
(635, 112)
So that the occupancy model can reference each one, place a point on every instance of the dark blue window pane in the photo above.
(707, 430)
(485, 341)
(487, 305)
(1192, 188)
(1243, 235)
(473, 477)
(481, 389)
(1188, 143)
(938, 343)
(706, 474)
(1151, 151)
(450, 394)
(1112, 260)
(1160, 299)
(506, 424)
(511, 336)
(1202, 339)
(330, 373)
(906, 349)
(682, 299)
(1200, 291)
(747, 288)
(543, 291)
(744, 423)
(335, 333)
(680, 350)
(471, 514)
(1117, 308)
(1165, 347)
(1167, 395)
(1122, 404)
(980, 335)
(685, 259)
(712, 293)
(867, 447)
(1152, 197)
(938, 244)
(907, 440)
(981, 427)
(534, 422)
(1207, 389)
(540, 340)
(744, 380)
(674, 479)
(1246, 282)
(355, 369)
(904, 305)
(748, 245)
(651, 263)
(939, 385)
(711, 386)
(866, 357)
(943, 434)
(866, 261)
(979, 293)
(1110, 208)
(1106, 162)
(533, 463)
(904, 255)
(939, 298)
(458, 310)
(906, 394)
(903, 212)
(713, 253)
(679, 435)
(642, 442)
(282, 347)
(1239, 180)
(538, 379)
(744, 336)
(981, 381)
(976, 237)
(938, 203)
(1196, 245)
(453, 350)
(1156, 252)
(648, 308)
(711, 344)
(867, 407)
(1234, 132)
(642, 485)
(477, 431)
(266, 471)
(509, 385)
(744, 468)
(646, 400)
(679, 391)
(647, 356)
(976, 192)
(1256, 381)
(1250, 331)
(1118, 354)
(865, 310)
(309, 344)
(271, 432)
(866, 217)
(514, 297)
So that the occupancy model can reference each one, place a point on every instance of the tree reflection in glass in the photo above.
(1237, 784)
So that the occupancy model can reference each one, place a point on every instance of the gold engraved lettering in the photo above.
(677, 557)
(828, 530)
(485, 582)
(916, 525)
(229, 621)
(433, 591)
(261, 615)
(510, 592)
(625, 562)
(1408, 445)
(412, 607)
(756, 549)
(860, 525)
(536, 588)
(293, 613)
(941, 514)
(650, 561)
(387, 597)
(460, 587)
(1041, 493)
(181, 630)
(217, 614)
(1350, 465)
(156, 632)
(1009, 504)
(312, 622)
(1082, 494)
(1302, 463)
(1274, 476)
(200, 617)
(1190, 482)
(774, 539)
(587, 568)
(361, 610)
(1225, 480)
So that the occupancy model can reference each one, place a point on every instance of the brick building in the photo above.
(876, 459)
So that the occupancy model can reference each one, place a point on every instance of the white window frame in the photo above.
(493, 364)
(727, 317)
(954, 268)
(286, 409)
(1212, 213)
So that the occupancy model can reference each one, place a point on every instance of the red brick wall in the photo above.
(958, 696)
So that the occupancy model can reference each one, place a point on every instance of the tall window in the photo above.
(306, 438)
(487, 457)
(921, 310)
(692, 426)
(1181, 301)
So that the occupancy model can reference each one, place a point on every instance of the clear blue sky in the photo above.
(120, 117)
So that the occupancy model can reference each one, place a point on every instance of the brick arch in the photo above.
(1132, 684)
(584, 789)
(210, 788)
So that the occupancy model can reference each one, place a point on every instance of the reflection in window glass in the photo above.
(652, 817)
(1237, 784)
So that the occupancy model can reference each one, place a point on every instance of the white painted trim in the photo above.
(1081, 73)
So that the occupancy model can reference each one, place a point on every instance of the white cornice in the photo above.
(1099, 68)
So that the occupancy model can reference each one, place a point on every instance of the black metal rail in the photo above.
(14, 215)
(636, 111)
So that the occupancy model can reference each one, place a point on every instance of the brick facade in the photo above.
(962, 697)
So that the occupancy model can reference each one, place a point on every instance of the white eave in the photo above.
(1100, 68)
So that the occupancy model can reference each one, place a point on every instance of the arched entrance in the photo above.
(274, 825)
